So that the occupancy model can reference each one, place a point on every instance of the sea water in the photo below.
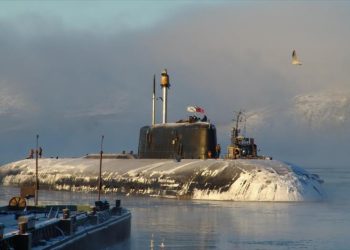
(197, 224)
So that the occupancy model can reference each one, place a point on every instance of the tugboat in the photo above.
(179, 160)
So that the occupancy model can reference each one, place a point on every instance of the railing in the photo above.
(26, 238)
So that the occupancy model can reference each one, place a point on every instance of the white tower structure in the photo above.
(164, 83)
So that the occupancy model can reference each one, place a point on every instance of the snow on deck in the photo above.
(238, 180)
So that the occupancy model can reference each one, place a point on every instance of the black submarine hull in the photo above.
(209, 179)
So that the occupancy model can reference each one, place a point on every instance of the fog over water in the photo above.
(71, 78)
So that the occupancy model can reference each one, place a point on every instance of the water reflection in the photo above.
(190, 224)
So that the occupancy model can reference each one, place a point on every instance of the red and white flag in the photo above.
(195, 109)
(199, 110)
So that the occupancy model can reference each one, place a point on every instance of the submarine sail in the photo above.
(177, 140)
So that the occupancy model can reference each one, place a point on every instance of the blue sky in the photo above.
(74, 70)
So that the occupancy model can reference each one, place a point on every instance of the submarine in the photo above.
(177, 160)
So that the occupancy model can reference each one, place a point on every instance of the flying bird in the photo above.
(295, 60)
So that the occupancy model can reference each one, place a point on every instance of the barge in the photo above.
(63, 227)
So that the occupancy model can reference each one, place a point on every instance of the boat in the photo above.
(180, 160)
(63, 227)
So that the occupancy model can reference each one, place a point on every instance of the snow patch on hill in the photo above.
(330, 108)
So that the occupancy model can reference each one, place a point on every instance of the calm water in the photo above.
(188, 224)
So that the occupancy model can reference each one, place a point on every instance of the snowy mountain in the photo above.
(320, 110)
(330, 108)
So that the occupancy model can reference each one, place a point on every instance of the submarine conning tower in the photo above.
(184, 139)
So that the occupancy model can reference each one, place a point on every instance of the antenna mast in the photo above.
(154, 100)
(235, 130)
(36, 171)
(100, 172)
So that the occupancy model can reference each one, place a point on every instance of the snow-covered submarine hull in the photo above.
(210, 179)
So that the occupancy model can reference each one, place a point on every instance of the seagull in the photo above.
(295, 60)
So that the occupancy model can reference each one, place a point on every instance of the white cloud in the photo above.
(111, 105)
(12, 103)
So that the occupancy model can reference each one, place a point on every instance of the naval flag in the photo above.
(195, 109)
